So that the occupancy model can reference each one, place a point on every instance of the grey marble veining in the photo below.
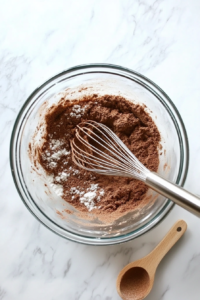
(41, 38)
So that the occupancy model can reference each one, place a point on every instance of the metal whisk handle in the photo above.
(175, 193)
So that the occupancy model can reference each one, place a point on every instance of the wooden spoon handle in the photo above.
(174, 234)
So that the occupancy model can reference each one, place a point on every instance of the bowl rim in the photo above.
(183, 169)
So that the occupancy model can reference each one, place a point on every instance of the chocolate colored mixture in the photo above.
(88, 191)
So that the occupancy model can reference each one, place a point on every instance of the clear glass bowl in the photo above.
(105, 79)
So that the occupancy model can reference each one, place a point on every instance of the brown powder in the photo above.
(60, 214)
(111, 196)
(134, 284)
(68, 211)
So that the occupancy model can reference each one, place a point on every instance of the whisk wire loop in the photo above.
(96, 148)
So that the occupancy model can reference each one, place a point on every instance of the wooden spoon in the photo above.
(135, 281)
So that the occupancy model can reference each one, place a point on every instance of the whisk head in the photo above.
(97, 148)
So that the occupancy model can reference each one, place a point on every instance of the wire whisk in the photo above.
(97, 148)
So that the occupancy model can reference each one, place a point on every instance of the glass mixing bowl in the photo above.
(41, 199)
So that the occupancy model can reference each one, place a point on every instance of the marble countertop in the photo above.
(40, 38)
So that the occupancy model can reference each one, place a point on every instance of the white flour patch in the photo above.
(78, 111)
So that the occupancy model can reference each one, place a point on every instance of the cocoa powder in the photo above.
(87, 191)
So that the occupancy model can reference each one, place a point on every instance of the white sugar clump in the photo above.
(101, 192)
(87, 200)
(55, 144)
(52, 165)
(93, 187)
(58, 188)
(77, 111)
(57, 155)
(76, 172)
(62, 176)
(76, 191)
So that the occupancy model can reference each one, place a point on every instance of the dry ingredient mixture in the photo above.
(87, 191)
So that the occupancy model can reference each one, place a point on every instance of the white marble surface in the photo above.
(40, 38)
